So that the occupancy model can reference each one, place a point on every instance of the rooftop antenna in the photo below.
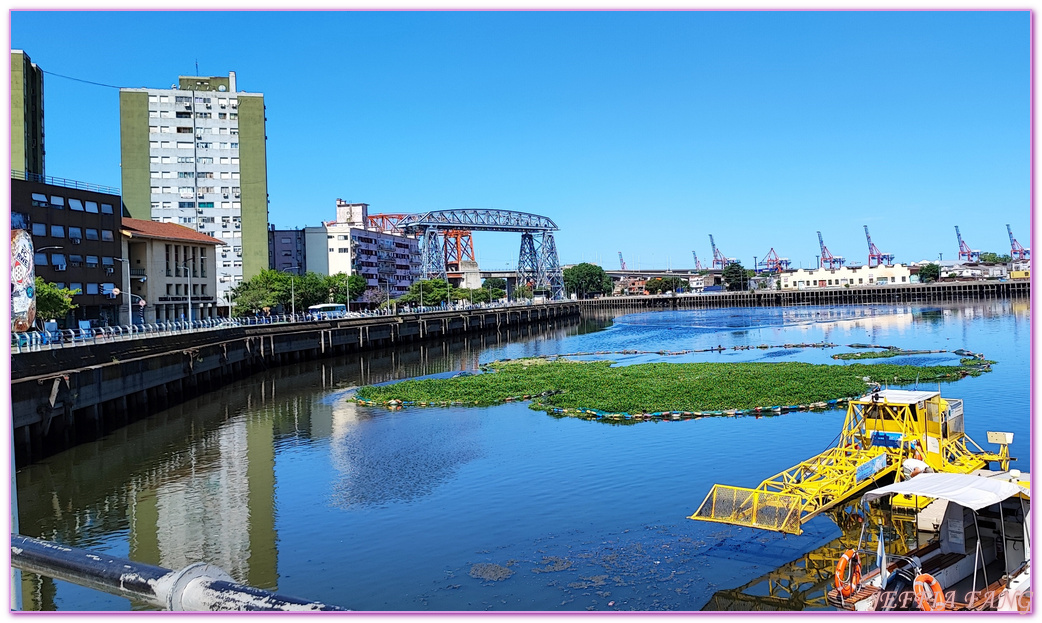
(197, 67)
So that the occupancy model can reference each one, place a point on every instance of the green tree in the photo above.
(929, 272)
(735, 277)
(342, 288)
(994, 258)
(522, 292)
(495, 283)
(664, 284)
(255, 294)
(53, 303)
(586, 279)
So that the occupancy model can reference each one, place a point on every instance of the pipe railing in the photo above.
(197, 587)
(36, 340)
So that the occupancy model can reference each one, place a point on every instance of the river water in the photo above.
(284, 484)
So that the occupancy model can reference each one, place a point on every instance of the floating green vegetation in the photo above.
(655, 387)
(882, 354)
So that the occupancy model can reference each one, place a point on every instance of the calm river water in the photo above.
(287, 486)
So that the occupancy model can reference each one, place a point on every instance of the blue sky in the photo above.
(634, 132)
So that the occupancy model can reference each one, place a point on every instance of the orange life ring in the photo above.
(846, 584)
(928, 593)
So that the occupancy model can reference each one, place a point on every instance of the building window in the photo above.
(106, 208)
(106, 235)
(184, 130)
(92, 261)
(76, 286)
(40, 201)
(75, 233)
(205, 204)
(203, 145)
(39, 229)
(58, 202)
(75, 204)
(57, 231)
(181, 114)
(58, 259)
(342, 250)
(92, 234)
(92, 288)
(185, 145)
(40, 259)
(75, 260)
(185, 159)
(185, 174)
(186, 204)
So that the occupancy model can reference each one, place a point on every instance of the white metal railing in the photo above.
(36, 340)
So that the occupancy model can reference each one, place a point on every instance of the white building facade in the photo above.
(846, 276)
(388, 261)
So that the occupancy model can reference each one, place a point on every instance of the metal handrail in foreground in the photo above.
(197, 587)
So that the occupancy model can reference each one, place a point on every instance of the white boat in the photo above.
(979, 561)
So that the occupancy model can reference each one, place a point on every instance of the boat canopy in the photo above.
(972, 492)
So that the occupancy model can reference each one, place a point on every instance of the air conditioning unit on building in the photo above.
(74, 240)
(59, 267)
(225, 195)
(109, 271)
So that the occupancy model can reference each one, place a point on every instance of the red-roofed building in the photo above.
(170, 270)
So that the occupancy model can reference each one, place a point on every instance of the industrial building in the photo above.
(195, 155)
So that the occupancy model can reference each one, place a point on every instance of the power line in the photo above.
(51, 73)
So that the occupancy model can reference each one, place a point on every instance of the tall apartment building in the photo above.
(195, 155)
(389, 262)
(27, 153)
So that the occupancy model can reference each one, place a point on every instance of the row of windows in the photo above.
(192, 160)
(183, 129)
(41, 200)
(190, 145)
(75, 233)
(58, 260)
(160, 190)
(176, 289)
(206, 175)
(169, 205)
(187, 99)
(92, 288)
(185, 114)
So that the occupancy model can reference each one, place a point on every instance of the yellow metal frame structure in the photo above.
(880, 431)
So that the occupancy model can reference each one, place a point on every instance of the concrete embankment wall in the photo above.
(917, 293)
(70, 395)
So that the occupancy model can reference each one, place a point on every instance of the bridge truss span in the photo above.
(476, 219)
(538, 266)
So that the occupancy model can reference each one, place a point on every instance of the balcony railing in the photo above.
(61, 181)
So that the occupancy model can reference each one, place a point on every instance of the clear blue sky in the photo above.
(634, 132)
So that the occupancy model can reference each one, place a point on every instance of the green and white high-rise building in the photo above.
(194, 154)
(27, 153)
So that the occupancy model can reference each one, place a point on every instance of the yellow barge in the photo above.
(884, 431)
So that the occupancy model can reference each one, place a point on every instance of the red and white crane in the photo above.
(832, 261)
(965, 253)
(1016, 251)
(875, 256)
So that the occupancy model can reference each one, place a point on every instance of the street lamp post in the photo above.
(126, 289)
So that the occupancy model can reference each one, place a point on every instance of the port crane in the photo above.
(833, 261)
(698, 265)
(622, 262)
(964, 249)
(1017, 252)
(771, 263)
(718, 257)
(875, 256)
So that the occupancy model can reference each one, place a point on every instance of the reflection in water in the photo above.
(196, 482)
(803, 584)
(264, 475)
(402, 464)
